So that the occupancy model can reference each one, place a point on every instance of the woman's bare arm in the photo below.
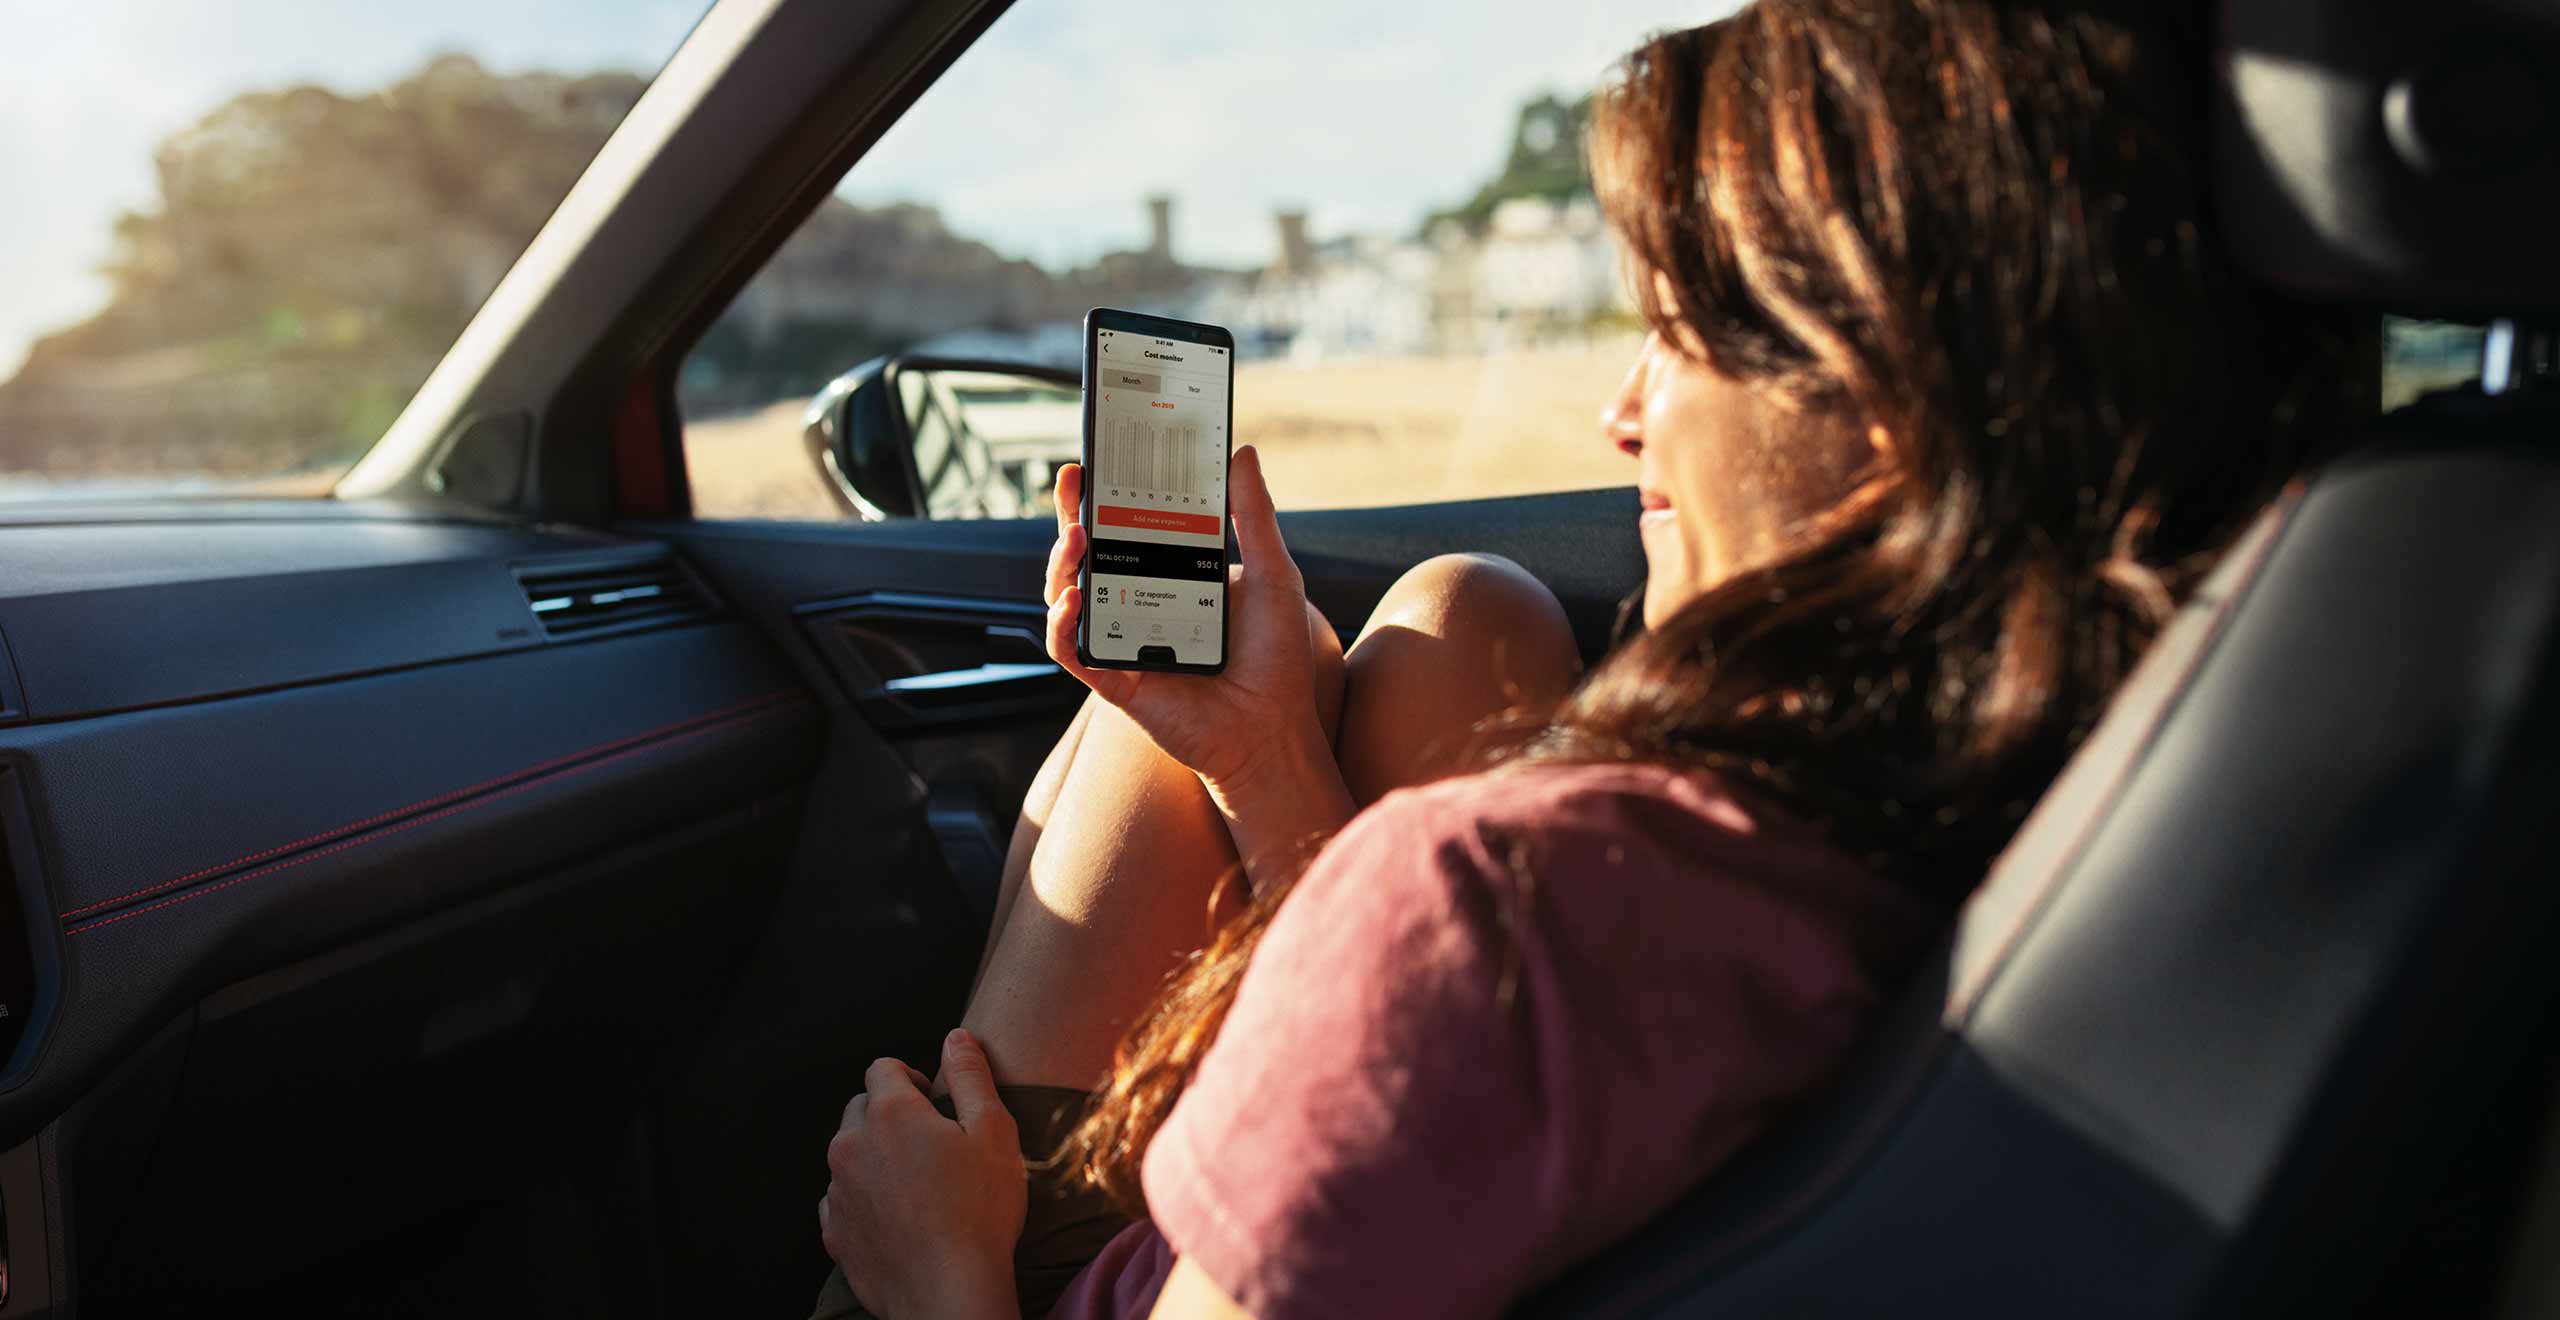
(1192, 1295)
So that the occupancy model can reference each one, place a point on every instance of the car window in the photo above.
(1387, 204)
(243, 231)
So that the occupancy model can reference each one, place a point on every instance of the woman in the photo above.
(1949, 398)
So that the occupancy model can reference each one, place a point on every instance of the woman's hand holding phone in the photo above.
(1251, 732)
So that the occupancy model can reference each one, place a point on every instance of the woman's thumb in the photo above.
(1257, 519)
(972, 1081)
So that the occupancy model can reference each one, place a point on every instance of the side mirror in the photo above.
(909, 436)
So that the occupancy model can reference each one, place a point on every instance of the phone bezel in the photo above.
(1164, 327)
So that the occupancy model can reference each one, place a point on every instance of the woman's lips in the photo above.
(1655, 506)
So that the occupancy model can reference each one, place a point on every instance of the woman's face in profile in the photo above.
(1723, 474)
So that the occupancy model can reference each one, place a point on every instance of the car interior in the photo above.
(478, 893)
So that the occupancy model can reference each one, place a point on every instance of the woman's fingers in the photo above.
(1257, 519)
(1112, 685)
(1062, 627)
(974, 1102)
(888, 1079)
(1066, 556)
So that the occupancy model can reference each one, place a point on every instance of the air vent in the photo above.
(589, 597)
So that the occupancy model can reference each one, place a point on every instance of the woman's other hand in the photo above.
(921, 1211)
(1252, 732)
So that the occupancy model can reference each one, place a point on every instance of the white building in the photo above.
(1541, 271)
(1544, 270)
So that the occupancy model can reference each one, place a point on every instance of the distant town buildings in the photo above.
(1525, 261)
(1541, 271)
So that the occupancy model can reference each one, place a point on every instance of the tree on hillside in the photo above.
(312, 254)
(1546, 160)
(383, 218)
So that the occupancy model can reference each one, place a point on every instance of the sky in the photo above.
(1042, 140)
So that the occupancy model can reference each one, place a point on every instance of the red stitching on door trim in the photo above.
(532, 774)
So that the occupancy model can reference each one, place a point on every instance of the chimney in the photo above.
(1297, 256)
(1160, 227)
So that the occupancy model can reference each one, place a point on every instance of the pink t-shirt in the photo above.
(1503, 1021)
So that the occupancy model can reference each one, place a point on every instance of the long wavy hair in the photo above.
(1972, 232)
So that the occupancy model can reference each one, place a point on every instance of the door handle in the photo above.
(977, 677)
(913, 661)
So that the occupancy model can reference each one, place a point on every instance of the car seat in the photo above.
(2252, 1017)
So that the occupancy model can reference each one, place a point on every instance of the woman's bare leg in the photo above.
(1033, 822)
(1110, 894)
(1119, 847)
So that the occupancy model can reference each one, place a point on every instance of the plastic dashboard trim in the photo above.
(592, 755)
(405, 818)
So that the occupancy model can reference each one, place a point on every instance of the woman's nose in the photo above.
(1622, 421)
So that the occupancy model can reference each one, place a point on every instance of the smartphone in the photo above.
(1159, 423)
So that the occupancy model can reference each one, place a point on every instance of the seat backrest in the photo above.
(2255, 991)
(2301, 864)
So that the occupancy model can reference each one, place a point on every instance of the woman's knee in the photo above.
(1458, 639)
(1486, 605)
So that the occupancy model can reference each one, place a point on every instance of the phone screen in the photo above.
(1156, 443)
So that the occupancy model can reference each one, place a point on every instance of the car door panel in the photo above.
(1582, 544)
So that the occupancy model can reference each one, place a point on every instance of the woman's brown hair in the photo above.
(1972, 232)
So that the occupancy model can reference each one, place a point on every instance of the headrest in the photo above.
(2398, 153)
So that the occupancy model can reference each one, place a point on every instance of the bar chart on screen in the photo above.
(1140, 457)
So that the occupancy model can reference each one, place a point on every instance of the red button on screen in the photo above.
(1162, 520)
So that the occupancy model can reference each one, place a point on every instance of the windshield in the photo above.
(246, 230)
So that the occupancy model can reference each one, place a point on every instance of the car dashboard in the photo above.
(305, 801)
